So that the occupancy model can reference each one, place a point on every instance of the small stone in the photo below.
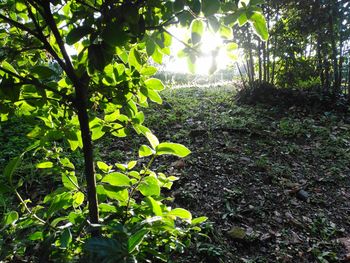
(179, 164)
(302, 195)
(167, 105)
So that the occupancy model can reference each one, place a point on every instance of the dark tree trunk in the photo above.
(81, 105)
(320, 68)
(336, 83)
(274, 53)
(251, 59)
(264, 61)
(259, 59)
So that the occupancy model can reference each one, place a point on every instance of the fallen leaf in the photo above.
(237, 233)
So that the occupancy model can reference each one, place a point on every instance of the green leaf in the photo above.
(107, 208)
(43, 72)
(108, 249)
(117, 179)
(136, 239)
(60, 201)
(97, 132)
(69, 180)
(38, 235)
(210, 7)
(44, 165)
(148, 71)
(242, 19)
(78, 199)
(157, 56)
(231, 19)
(149, 186)
(153, 140)
(173, 149)
(214, 23)
(178, 5)
(231, 46)
(154, 96)
(191, 63)
(114, 35)
(77, 33)
(131, 164)
(11, 167)
(256, 2)
(199, 220)
(155, 84)
(181, 213)
(259, 25)
(150, 46)
(197, 29)
(8, 66)
(104, 167)
(10, 218)
(135, 59)
(226, 32)
(145, 151)
(117, 193)
(66, 238)
(156, 209)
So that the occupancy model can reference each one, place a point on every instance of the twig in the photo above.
(137, 184)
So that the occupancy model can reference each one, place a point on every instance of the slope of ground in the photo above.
(274, 183)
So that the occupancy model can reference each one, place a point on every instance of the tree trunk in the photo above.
(336, 83)
(274, 52)
(264, 61)
(259, 61)
(251, 59)
(81, 104)
(319, 61)
(268, 44)
(349, 82)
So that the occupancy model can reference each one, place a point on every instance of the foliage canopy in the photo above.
(82, 68)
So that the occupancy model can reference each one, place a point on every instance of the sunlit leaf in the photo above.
(156, 209)
(10, 218)
(259, 25)
(155, 84)
(145, 151)
(173, 149)
(116, 179)
(153, 140)
(149, 186)
(181, 213)
(44, 165)
(136, 239)
(197, 29)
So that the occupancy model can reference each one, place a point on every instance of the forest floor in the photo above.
(274, 183)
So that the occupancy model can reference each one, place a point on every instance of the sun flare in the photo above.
(210, 43)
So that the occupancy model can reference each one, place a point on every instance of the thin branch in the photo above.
(167, 22)
(184, 43)
(20, 26)
(137, 184)
(53, 26)
(43, 38)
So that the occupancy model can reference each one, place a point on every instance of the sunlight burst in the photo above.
(210, 43)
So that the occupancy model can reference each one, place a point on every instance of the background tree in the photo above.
(309, 46)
